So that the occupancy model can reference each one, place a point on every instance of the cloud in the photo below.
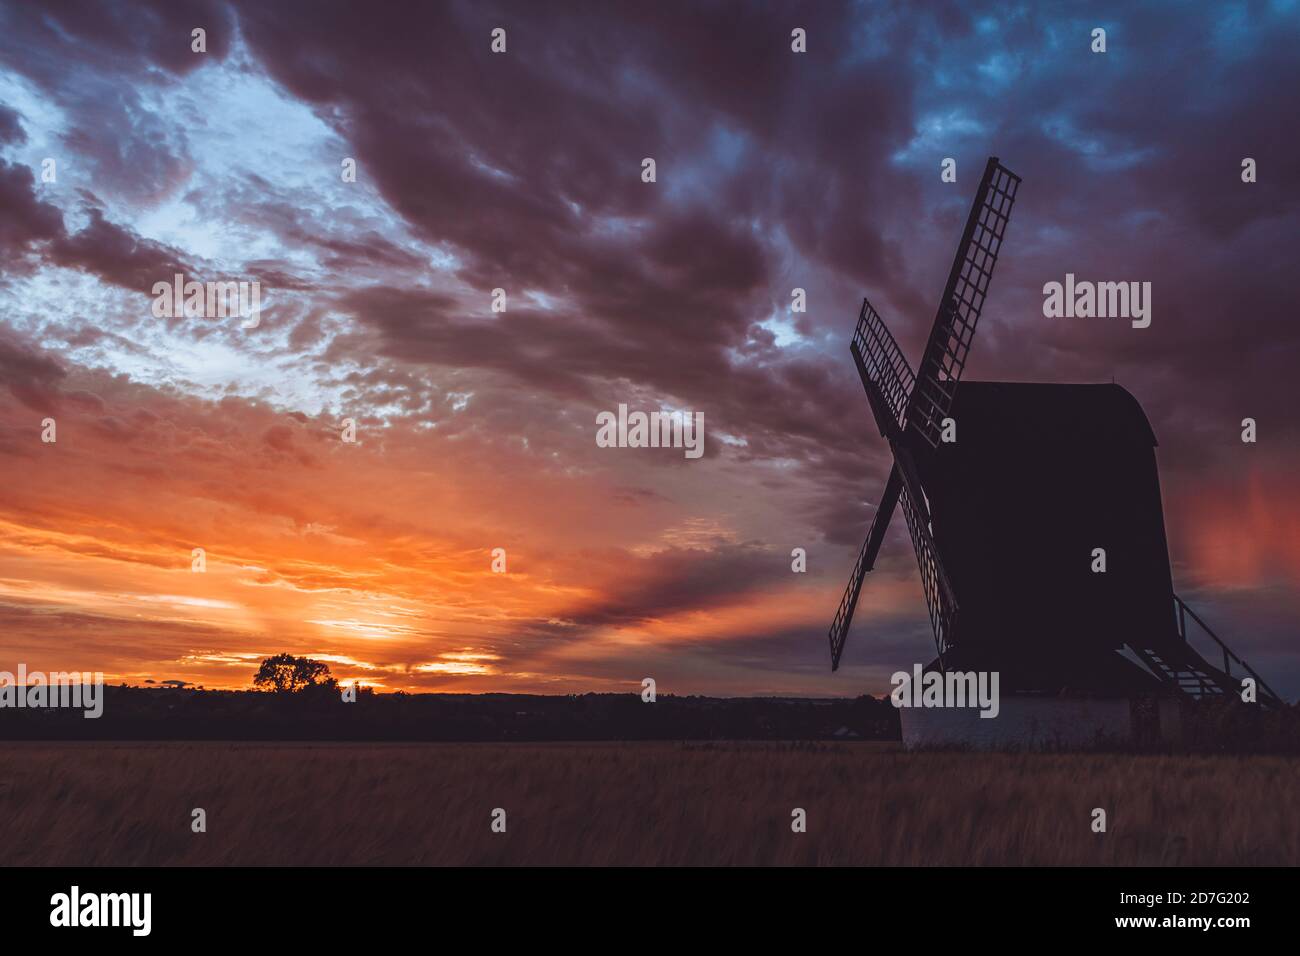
(116, 255)
(31, 375)
(27, 219)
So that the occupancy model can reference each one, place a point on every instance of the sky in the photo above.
(476, 429)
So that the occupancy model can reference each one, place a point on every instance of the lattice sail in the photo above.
(881, 364)
(963, 300)
(939, 598)
(839, 631)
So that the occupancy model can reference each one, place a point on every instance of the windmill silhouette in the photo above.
(1009, 492)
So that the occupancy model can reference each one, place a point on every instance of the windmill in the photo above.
(1008, 491)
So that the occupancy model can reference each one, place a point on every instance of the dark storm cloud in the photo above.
(527, 165)
(31, 374)
(114, 252)
(25, 218)
(528, 162)
(133, 39)
(11, 129)
(682, 579)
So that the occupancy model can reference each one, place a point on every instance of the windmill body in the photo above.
(1010, 492)
(1040, 477)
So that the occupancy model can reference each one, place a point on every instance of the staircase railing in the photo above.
(1185, 612)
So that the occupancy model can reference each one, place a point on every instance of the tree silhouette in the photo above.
(286, 674)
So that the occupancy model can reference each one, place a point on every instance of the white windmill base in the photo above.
(1026, 722)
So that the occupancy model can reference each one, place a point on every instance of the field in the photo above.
(645, 803)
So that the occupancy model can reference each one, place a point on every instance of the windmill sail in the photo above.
(883, 368)
(901, 400)
(963, 301)
(839, 631)
(939, 598)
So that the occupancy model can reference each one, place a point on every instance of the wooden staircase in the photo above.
(1181, 666)
(1186, 670)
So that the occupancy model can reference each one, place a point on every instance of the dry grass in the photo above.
(663, 803)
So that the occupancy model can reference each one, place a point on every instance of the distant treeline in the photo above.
(318, 713)
(175, 713)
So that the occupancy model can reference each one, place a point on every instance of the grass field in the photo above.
(649, 803)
